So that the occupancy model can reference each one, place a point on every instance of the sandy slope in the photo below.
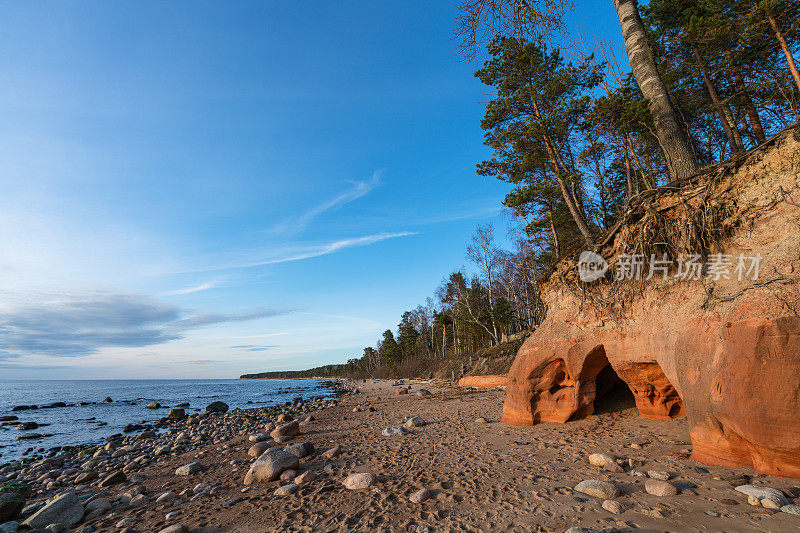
(484, 476)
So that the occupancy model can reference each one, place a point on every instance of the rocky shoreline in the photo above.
(381, 458)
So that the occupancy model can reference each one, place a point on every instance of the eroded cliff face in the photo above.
(724, 352)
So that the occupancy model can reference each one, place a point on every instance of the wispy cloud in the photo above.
(295, 253)
(190, 290)
(83, 324)
(295, 225)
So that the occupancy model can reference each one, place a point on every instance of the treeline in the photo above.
(579, 138)
(490, 304)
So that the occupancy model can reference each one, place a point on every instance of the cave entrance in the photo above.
(602, 390)
(613, 394)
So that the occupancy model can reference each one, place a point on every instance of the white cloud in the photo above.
(294, 225)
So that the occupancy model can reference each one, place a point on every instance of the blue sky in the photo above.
(194, 189)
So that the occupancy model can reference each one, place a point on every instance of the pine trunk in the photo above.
(580, 221)
(786, 50)
(680, 157)
(744, 94)
(712, 91)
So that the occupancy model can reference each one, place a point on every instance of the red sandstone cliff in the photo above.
(724, 352)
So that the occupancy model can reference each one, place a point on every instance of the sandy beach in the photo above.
(480, 474)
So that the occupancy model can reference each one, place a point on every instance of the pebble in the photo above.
(658, 474)
(791, 509)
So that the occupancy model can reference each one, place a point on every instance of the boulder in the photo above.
(727, 361)
(64, 509)
(10, 505)
(176, 414)
(153, 405)
(270, 466)
(217, 407)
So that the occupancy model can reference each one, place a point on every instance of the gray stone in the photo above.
(414, 422)
(394, 432)
(188, 470)
(9, 527)
(613, 506)
(791, 509)
(217, 407)
(11, 504)
(258, 448)
(64, 509)
(113, 478)
(100, 504)
(290, 429)
(359, 481)
(658, 474)
(602, 459)
(763, 492)
(270, 466)
(598, 489)
(177, 528)
(656, 487)
(331, 453)
(301, 449)
(420, 496)
(285, 490)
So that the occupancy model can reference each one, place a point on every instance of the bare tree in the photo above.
(485, 254)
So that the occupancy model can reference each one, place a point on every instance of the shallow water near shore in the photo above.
(95, 421)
